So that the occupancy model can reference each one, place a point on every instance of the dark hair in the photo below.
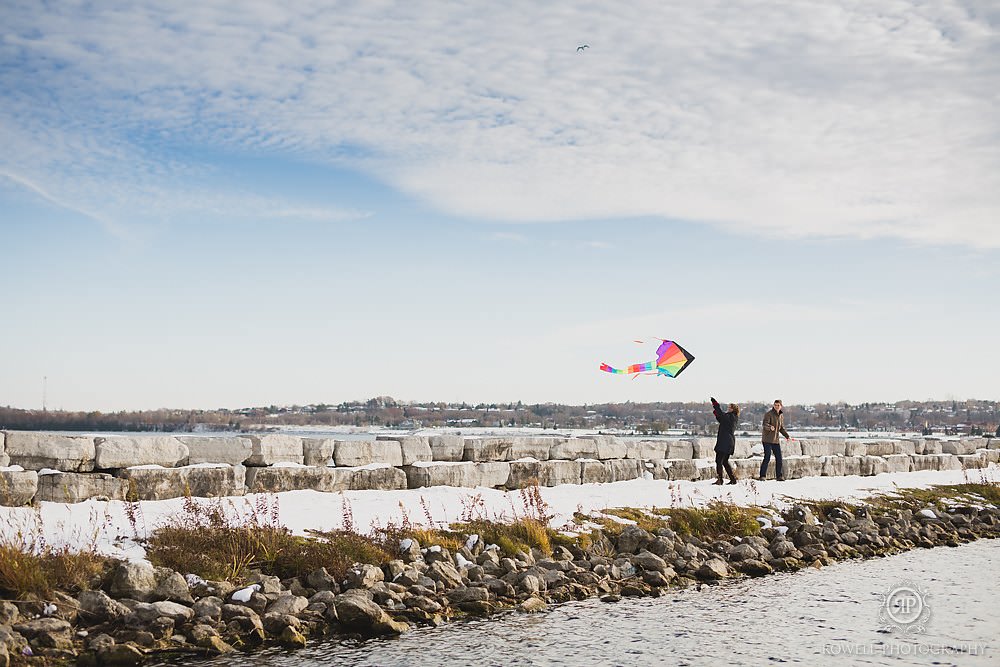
(735, 409)
(778, 400)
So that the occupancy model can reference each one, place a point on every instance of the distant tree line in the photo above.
(971, 417)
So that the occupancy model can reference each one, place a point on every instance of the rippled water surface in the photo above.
(813, 617)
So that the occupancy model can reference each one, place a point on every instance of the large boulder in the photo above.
(4, 459)
(98, 607)
(154, 483)
(465, 473)
(608, 446)
(295, 478)
(545, 473)
(531, 448)
(17, 487)
(233, 450)
(135, 580)
(36, 451)
(446, 447)
(494, 473)
(682, 469)
(948, 462)
(873, 465)
(353, 453)
(612, 470)
(378, 479)
(958, 447)
(121, 451)
(413, 448)
(274, 448)
(648, 450)
(679, 449)
(574, 448)
(318, 451)
(75, 487)
(702, 448)
(487, 449)
(855, 447)
(898, 462)
(361, 615)
(924, 462)
(795, 467)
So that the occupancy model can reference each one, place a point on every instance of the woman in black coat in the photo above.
(725, 442)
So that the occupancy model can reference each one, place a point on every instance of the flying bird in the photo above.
(581, 48)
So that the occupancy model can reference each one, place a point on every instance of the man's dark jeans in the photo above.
(778, 471)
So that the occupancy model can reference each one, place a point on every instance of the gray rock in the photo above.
(466, 474)
(135, 580)
(8, 613)
(468, 594)
(713, 569)
(755, 568)
(314, 478)
(121, 451)
(545, 473)
(17, 487)
(217, 449)
(166, 483)
(364, 576)
(447, 447)
(171, 586)
(632, 539)
(574, 448)
(321, 580)
(352, 453)
(318, 451)
(413, 448)
(742, 552)
(148, 612)
(445, 573)
(97, 607)
(287, 605)
(423, 603)
(209, 607)
(35, 451)
(378, 479)
(650, 561)
(532, 605)
(73, 487)
(531, 447)
(486, 449)
(364, 616)
(269, 449)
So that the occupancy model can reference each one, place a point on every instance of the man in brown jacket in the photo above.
(774, 425)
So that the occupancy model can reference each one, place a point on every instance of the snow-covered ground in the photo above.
(107, 524)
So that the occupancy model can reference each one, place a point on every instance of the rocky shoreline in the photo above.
(141, 611)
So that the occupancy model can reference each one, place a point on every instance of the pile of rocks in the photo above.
(144, 609)
(71, 468)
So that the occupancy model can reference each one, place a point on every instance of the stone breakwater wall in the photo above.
(142, 610)
(38, 466)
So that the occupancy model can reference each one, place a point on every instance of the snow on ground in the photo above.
(107, 525)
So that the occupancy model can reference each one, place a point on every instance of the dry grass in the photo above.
(985, 492)
(31, 568)
(207, 540)
(714, 520)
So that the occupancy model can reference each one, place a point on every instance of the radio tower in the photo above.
(45, 388)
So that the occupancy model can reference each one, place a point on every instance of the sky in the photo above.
(212, 205)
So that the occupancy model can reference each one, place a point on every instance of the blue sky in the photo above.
(202, 208)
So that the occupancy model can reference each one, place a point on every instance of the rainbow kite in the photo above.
(671, 359)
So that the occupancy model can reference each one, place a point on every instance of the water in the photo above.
(812, 617)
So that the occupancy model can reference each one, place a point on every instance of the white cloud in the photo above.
(831, 119)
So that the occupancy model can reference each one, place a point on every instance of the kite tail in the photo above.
(634, 368)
